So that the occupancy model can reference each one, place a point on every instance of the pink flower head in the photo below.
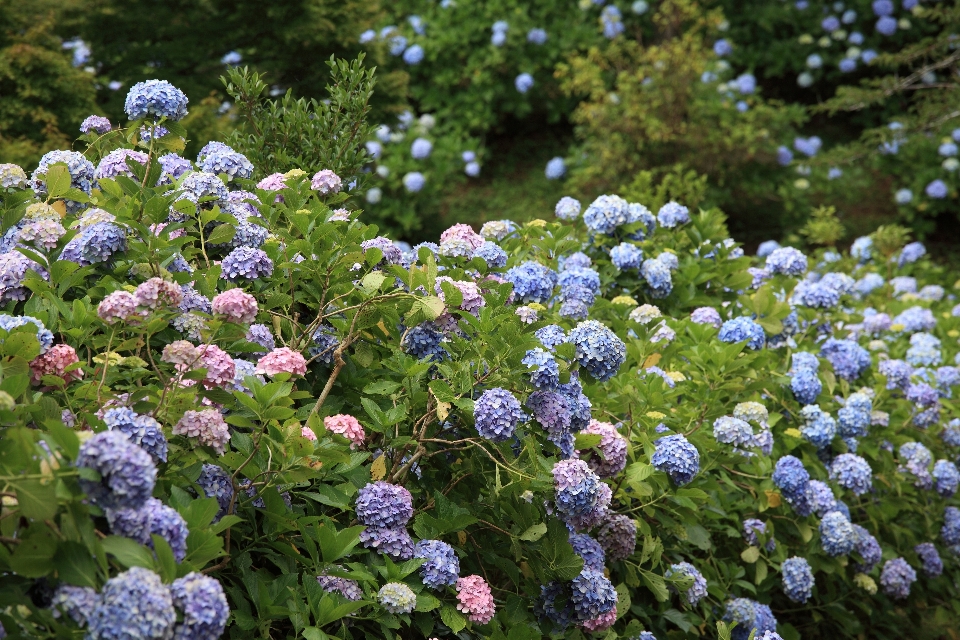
(347, 426)
(181, 353)
(219, 365)
(282, 360)
(160, 226)
(236, 305)
(273, 182)
(119, 305)
(55, 362)
(157, 292)
(326, 182)
(601, 623)
(472, 300)
(308, 433)
(463, 232)
(610, 456)
(475, 598)
(208, 426)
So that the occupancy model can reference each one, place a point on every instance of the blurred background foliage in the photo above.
(700, 98)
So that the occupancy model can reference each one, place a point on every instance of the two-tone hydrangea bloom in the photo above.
(610, 456)
(677, 457)
(931, 564)
(492, 254)
(134, 604)
(207, 426)
(152, 518)
(12, 176)
(598, 349)
(496, 414)
(837, 536)
(578, 488)
(157, 98)
(698, 590)
(397, 598)
(896, 578)
(127, 472)
(787, 261)
(741, 329)
(618, 537)
(797, 579)
(592, 595)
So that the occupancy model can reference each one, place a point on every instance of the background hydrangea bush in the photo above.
(230, 407)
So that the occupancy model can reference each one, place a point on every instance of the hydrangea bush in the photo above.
(231, 408)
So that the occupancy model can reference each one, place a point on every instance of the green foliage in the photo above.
(823, 227)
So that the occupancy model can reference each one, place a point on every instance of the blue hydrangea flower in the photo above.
(797, 579)
(598, 349)
(698, 590)
(442, 567)
(656, 273)
(554, 604)
(523, 83)
(551, 335)
(676, 457)
(729, 430)
(204, 606)
(44, 336)
(537, 36)
(589, 549)
(932, 565)
(567, 208)
(134, 604)
(381, 504)
(229, 162)
(743, 328)
(413, 55)
(606, 213)
(546, 371)
(246, 263)
(424, 341)
(532, 282)
(492, 254)
(153, 518)
(673, 214)
(950, 531)
(867, 547)
(790, 475)
(127, 472)
(750, 617)
(849, 359)
(947, 478)
(924, 350)
(852, 472)
(216, 483)
(896, 578)
(497, 413)
(143, 431)
(556, 167)
(837, 536)
(413, 181)
(592, 595)
(626, 256)
(819, 428)
(349, 589)
(76, 602)
(577, 488)
(157, 98)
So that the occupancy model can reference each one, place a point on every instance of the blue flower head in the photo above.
(673, 214)
(497, 413)
(598, 349)
(677, 457)
(157, 98)
(743, 328)
(606, 213)
(134, 604)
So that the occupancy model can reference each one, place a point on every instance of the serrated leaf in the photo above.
(584, 441)
(37, 499)
(222, 234)
(656, 585)
(452, 618)
(58, 180)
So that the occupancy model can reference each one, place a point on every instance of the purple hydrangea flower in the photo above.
(127, 472)
(134, 604)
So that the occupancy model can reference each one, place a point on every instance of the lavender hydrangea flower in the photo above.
(497, 413)
(381, 504)
(867, 547)
(153, 518)
(849, 359)
(391, 541)
(442, 567)
(896, 578)
(204, 606)
(133, 604)
(247, 263)
(592, 595)
(216, 483)
(76, 602)
(698, 590)
(618, 537)
(932, 565)
(143, 431)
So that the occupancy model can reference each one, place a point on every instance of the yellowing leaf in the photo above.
(750, 554)
(378, 469)
(443, 410)
(61, 207)
(793, 432)
(462, 537)
(652, 360)
(773, 498)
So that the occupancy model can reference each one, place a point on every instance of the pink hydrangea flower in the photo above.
(601, 623)
(308, 433)
(208, 426)
(475, 599)
(181, 353)
(55, 362)
(347, 426)
(219, 365)
(472, 299)
(463, 232)
(119, 305)
(282, 360)
(160, 226)
(157, 292)
(326, 182)
(236, 305)
(273, 182)
(339, 215)
(44, 233)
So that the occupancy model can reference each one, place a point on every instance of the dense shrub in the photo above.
(231, 407)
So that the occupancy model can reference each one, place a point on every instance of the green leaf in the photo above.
(127, 552)
(534, 533)
(337, 544)
(452, 618)
(584, 441)
(222, 234)
(75, 565)
(426, 602)
(33, 557)
(656, 585)
(165, 559)
(372, 282)
(37, 498)
(381, 388)
(58, 180)
(200, 513)
(750, 554)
